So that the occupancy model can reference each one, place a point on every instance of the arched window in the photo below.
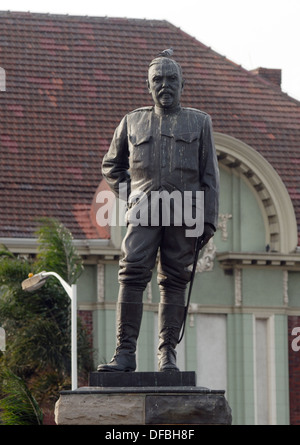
(277, 209)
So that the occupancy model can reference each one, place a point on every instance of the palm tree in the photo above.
(38, 324)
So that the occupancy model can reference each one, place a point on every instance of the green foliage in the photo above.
(56, 251)
(38, 324)
(18, 405)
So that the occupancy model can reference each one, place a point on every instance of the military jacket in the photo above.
(152, 150)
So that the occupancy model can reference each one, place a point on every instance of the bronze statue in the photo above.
(161, 148)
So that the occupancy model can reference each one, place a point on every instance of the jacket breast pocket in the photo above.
(139, 149)
(186, 152)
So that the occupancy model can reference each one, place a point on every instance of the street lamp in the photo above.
(38, 280)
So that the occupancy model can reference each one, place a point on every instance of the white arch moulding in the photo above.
(270, 189)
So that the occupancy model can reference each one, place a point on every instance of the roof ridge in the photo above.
(257, 77)
(79, 16)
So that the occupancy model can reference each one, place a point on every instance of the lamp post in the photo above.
(38, 280)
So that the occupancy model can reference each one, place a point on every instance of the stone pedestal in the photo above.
(142, 401)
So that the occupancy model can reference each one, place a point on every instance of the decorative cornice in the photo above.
(231, 260)
(99, 247)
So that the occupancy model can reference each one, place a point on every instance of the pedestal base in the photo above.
(142, 405)
(141, 379)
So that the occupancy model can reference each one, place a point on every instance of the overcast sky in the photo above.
(252, 33)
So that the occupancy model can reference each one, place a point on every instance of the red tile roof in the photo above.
(69, 80)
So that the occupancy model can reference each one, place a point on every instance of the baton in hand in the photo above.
(199, 244)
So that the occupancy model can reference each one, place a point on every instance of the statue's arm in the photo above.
(115, 164)
(209, 175)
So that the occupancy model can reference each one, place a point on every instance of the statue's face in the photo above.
(165, 83)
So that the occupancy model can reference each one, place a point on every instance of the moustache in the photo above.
(165, 91)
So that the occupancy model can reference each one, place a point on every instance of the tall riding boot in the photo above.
(170, 318)
(129, 317)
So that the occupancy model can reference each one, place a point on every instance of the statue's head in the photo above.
(165, 82)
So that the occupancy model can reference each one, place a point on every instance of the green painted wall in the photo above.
(241, 364)
(190, 346)
(87, 285)
(104, 335)
(146, 347)
(246, 229)
(294, 289)
(240, 392)
(111, 281)
(282, 370)
(213, 287)
(261, 287)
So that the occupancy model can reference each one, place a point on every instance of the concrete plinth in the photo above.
(142, 405)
